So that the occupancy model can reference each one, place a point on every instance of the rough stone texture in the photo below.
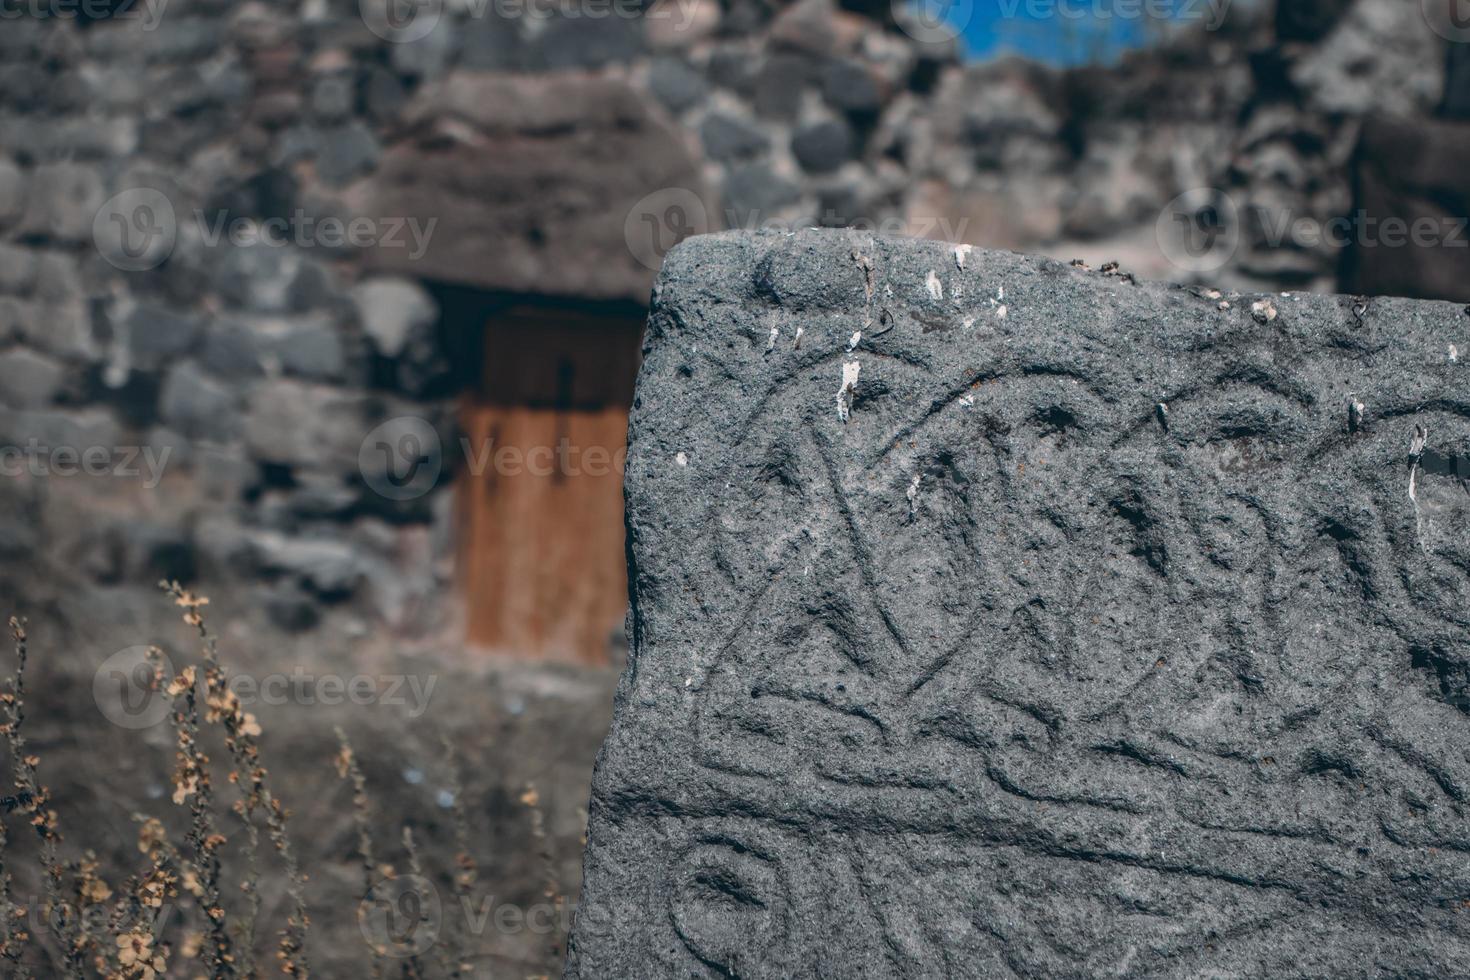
(1120, 631)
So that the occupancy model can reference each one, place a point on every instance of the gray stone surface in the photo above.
(1119, 630)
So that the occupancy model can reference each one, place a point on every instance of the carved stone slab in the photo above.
(997, 618)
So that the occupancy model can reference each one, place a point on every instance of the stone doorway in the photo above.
(540, 500)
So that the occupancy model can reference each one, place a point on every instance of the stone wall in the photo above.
(220, 386)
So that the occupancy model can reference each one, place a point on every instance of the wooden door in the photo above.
(541, 495)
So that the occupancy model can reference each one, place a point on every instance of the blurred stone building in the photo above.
(299, 272)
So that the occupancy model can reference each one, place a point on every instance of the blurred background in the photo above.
(332, 311)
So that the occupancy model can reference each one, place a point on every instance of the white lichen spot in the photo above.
(682, 459)
(935, 287)
(850, 371)
(1454, 353)
(913, 493)
(1416, 453)
(997, 303)
(1263, 310)
(854, 340)
(968, 322)
(1212, 294)
(1224, 304)
(961, 253)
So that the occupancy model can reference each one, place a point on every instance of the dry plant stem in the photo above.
(11, 940)
(241, 730)
(347, 768)
(548, 868)
(34, 799)
(192, 783)
(412, 969)
(465, 868)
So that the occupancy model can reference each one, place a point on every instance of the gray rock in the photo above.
(850, 86)
(300, 424)
(62, 201)
(157, 334)
(675, 84)
(1102, 637)
(585, 42)
(28, 379)
(267, 278)
(490, 43)
(731, 68)
(779, 84)
(232, 351)
(726, 138)
(17, 269)
(326, 565)
(332, 97)
(427, 57)
(12, 192)
(346, 152)
(753, 194)
(311, 348)
(58, 278)
(384, 93)
(392, 311)
(198, 406)
(824, 146)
